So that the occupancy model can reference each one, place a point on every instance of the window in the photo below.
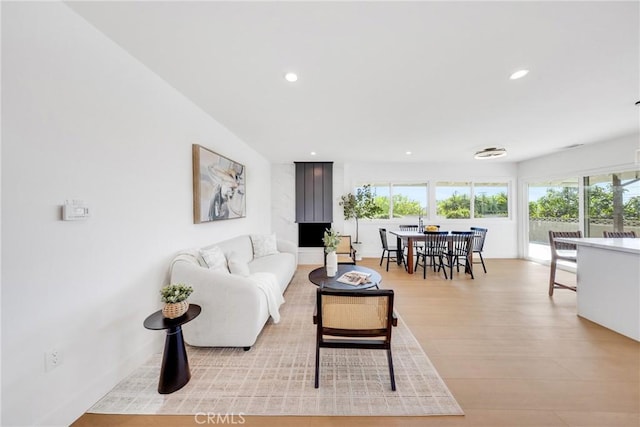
(553, 205)
(453, 200)
(382, 199)
(401, 200)
(490, 200)
(409, 200)
(612, 203)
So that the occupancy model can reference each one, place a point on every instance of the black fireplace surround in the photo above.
(314, 202)
(310, 234)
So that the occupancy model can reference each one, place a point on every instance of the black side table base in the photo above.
(175, 372)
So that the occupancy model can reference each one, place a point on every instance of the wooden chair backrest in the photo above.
(344, 247)
(561, 246)
(618, 234)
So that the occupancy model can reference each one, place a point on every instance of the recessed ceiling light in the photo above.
(291, 77)
(490, 153)
(408, 153)
(519, 74)
(313, 153)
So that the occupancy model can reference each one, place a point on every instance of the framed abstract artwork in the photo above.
(218, 187)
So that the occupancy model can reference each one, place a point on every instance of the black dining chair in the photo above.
(479, 235)
(416, 244)
(432, 253)
(458, 251)
(387, 250)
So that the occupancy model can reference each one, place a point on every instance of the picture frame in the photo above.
(218, 186)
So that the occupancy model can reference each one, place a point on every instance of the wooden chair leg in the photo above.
(482, 260)
(424, 270)
(391, 374)
(317, 366)
(552, 276)
(442, 266)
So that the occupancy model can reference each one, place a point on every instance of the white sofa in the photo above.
(234, 309)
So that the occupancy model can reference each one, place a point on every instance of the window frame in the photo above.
(431, 185)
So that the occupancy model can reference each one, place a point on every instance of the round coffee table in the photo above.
(319, 277)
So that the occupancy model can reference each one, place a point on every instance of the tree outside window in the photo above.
(453, 200)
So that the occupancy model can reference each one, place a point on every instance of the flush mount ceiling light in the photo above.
(291, 77)
(408, 153)
(519, 74)
(490, 153)
(313, 153)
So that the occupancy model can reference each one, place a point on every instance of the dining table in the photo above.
(413, 236)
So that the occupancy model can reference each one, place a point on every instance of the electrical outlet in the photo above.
(52, 359)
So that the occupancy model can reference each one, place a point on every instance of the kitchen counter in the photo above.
(608, 279)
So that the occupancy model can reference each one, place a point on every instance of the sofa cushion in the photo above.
(239, 246)
(237, 265)
(283, 265)
(215, 259)
(264, 244)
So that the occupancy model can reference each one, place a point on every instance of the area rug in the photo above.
(276, 376)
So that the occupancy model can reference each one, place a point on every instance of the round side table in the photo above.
(174, 373)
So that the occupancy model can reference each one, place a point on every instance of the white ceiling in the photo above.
(377, 79)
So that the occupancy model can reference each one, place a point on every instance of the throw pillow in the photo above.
(237, 266)
(264, 244)
(215, 259)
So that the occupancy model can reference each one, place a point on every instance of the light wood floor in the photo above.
(510, 355)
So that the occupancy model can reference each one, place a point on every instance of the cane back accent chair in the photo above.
(345, 251)
(360, 319)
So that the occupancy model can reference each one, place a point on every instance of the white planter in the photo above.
(332, 264)
(358, 248)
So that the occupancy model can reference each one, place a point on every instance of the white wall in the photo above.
(83, 119)
(501, 240)
(610, 155)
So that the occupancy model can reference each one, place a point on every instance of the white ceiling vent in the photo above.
(490, 153)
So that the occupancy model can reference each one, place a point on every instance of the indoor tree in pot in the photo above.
(331, 241)
(360, 205)
(175, 299)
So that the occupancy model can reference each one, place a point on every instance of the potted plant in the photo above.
(175, 299)
(360, 205)
(331, 241)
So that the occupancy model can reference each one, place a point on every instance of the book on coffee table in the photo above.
(354, 278)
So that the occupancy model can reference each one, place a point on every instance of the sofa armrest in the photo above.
(232, 306)
(289, 247)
